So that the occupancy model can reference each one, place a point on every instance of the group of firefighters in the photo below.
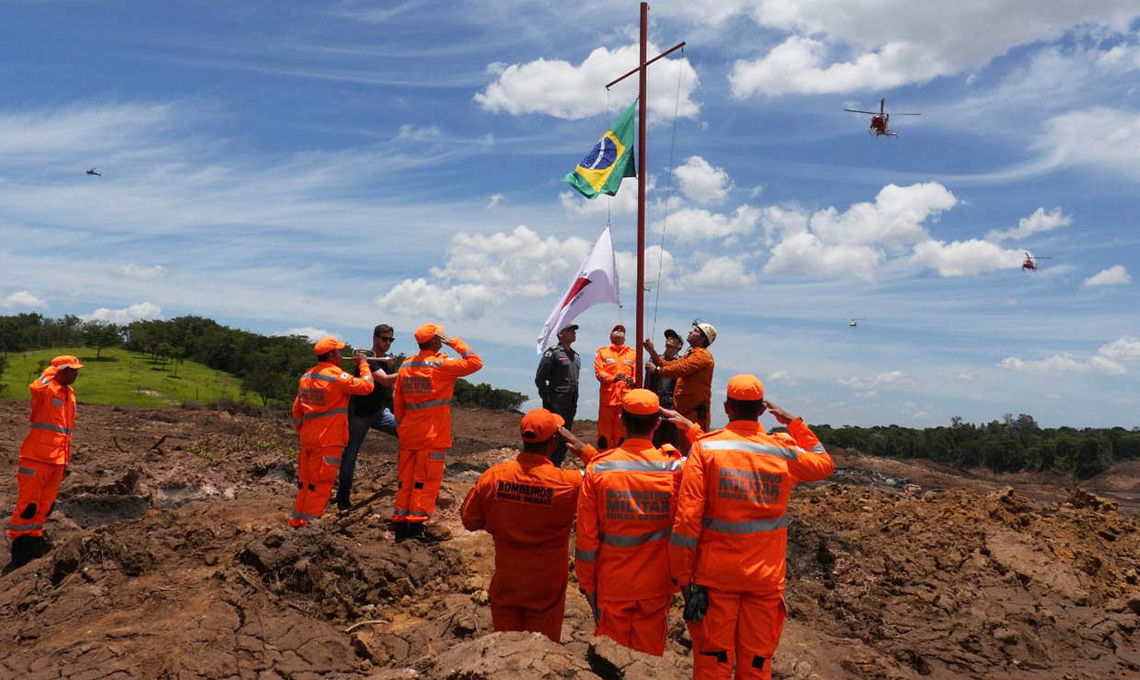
(663, 504)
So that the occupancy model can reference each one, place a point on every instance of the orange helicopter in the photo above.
(880, 122)
(1030, 264)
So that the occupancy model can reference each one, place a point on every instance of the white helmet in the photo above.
(708, 329)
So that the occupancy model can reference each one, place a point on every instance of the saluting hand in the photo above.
(573, 443)
(676, 418)
(445, 338)
(781, 415)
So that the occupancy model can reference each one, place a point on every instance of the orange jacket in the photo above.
(421, 400)
(610, 363)
(528, 506)
(732, 511)
(320, 411)
(694, 373)
(53, 417)
(625, 513)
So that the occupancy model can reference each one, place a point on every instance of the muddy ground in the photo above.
(172, 559)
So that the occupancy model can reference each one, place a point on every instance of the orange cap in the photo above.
(540, 425)
(745, 387)
(326, 345)
(641, 402)
(427, 331)
(66, 361)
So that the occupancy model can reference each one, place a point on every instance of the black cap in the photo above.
(670, 333)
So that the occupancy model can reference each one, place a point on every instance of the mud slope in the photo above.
(171, 559)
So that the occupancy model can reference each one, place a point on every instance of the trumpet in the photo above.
(385, 359)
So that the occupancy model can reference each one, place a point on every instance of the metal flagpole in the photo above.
(641, 70)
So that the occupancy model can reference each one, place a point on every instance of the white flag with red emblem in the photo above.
(595, 283)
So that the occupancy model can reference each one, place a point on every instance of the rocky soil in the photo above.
(172, 559)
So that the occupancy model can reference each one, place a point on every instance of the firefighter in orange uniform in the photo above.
(625, 514)
(43, 457)
(528, 505)
(320, 415)
(613, 367)
(730, 535)
(422, 406)
(692, 395)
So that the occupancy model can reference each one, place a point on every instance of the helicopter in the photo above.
(880, 122)
(855, 322)
(93, 171)
(1030, 264)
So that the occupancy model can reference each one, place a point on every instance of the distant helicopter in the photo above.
(855, 322)
(880, 122)
(1030, 264)
(95, 172)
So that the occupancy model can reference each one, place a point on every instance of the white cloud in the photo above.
(1126, 348)
(695, 224)
(1116, 275)
(889, 379)
(136, 312)
(80, 127)
(724, 273)
(965, 258)
(838, 46)
(418, 298)
(1110, 359)
(701, 182)
(22, 299)
(895, 218)
(1040, 221)
(805, 254)
(622, 203)
(526, 88)
(1116, 145)
(313, 334)
(134, 271)
(418, 133)
(655, 259)
(496, 199)
(782, 377)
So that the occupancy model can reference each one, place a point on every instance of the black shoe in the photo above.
(416, 533)
(23, 551)
(400, 529)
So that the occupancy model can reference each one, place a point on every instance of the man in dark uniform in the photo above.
(557, 381)
(666, 433)
(368, 411)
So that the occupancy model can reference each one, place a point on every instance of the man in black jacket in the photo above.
(370, 411)
(557, 382)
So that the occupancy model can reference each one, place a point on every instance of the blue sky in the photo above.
(307, 166)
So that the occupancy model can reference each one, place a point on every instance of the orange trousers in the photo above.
(38, 485)
(740, 628)
(637, 624)
(317, 469)
(546, 621)
(420, 474)
(609, 425)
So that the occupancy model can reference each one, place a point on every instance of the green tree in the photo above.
(100, 335)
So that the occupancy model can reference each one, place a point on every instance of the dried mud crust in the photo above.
(171, 560)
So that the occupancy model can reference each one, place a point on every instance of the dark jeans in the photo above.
(565, 405)
(358, 427)
(666, 433)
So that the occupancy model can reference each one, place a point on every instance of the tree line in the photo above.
(267, 366)
(1007, 445)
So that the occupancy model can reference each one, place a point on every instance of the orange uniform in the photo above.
(693, 392)
(730, 535)
(625, 514)
(320, 415)
(528, 506)
(422, 406)
(610, 365)
(43, 455)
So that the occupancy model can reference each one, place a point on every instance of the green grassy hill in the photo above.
(123, 378)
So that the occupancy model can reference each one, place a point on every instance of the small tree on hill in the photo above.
(99, 335)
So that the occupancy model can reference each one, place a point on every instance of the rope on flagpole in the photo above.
(668, 191)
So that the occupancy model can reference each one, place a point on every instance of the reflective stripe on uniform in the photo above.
(609, 361)
(53, 428)
(620, 541)
(25, 471)
(58, 403)
(302, 515)
(438, 456)
(24, 527)
(749, 447)
(421, 364)
(399, 512)
(319, 376)
(638, 466)
(343, 409)
(629, 361)
(415, 405)
(332, 461)
(748, 527)
(298, 421)
(585, 555)
(683, 540)
(818, 448)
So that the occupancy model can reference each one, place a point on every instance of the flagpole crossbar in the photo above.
(678, 46)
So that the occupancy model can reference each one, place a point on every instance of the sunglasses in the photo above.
(386, 339)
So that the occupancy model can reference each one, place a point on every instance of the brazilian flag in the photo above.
(611, 159)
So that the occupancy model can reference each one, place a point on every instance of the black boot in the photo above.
(22, 551)
(416, 533)
(400, 529)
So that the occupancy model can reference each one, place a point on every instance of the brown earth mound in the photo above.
(172, 559)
